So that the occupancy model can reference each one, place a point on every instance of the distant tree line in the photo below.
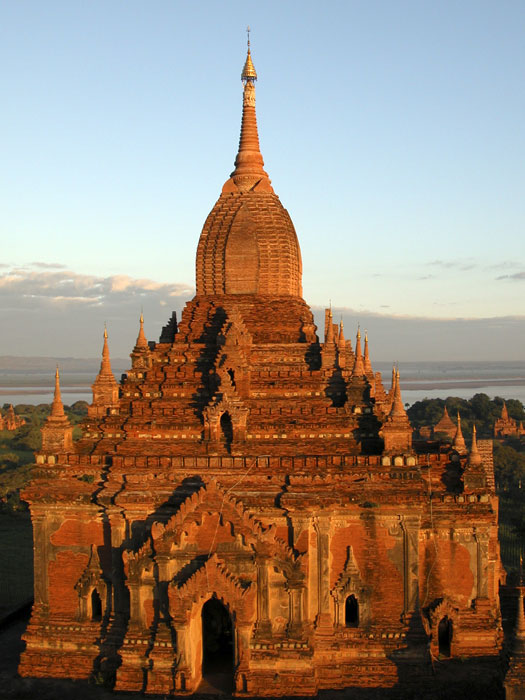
(509, 459)
(480, 409)
(17, 449)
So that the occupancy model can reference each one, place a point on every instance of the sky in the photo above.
(393, 133)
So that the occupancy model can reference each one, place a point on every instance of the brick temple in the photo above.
(248, 502)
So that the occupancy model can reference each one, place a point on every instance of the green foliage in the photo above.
(17, 449)
(9, 460)
(28, 437)
(509, 469)
(426, 412)
(480, 409)
(11, 482)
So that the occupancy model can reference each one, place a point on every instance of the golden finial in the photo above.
(249, 73)
(105, 331)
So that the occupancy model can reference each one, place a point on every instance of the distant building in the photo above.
(505, 426)
(445, 426)
(10, 421)
(248, 500)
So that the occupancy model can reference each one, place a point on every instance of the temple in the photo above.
(248, 500)
(505, 426)
(10, 421)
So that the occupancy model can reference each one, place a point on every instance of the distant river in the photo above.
(419, 380)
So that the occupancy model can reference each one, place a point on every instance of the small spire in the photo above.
(359, 368)
(368, 365)
(341, 339)
(474, 456)
(105, 365)
(57, 408)
(504, 412)
(142, 343)
(329, 330)
(459, 440)
(397, 404)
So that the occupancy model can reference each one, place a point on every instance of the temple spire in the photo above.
(474, 456)
(459, 441)
(249, 171)
(341, 339)
(368, 365)
(329, 330)
(57, 407)
(359, 368)
(142, 343)
(397, 404)
(396, 430)
(105, 387)
(57, 432)
(393, 384)
(105, 365)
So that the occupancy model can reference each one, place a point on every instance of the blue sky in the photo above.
(392, 131)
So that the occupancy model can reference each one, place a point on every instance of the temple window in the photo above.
(445, 636)
(227, 428)
(96, 605)
(232, 376)
(351, 611)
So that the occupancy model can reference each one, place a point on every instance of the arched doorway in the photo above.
(351, 611)
(96, 605)
(217, 646)
(444, 636)
(227, 429)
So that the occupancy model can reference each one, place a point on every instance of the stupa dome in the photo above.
(248, 244)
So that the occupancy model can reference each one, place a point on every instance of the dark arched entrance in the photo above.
(351, 611)
(445, 636)
(227, 430)
(217, 646)
(96, 605)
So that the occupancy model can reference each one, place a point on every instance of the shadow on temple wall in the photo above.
(423, 677)
(336, 388)
(312, 356)
(205, 363)
(115, 623)
(452, 473)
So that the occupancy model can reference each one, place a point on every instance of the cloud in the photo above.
(56, 311)
(59, 312)
(48, 266)
(39, 289)
(420, 338)
(504, 265)
(516, 276)
(463, 265)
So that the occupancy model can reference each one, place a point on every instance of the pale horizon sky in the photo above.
(392, 132)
